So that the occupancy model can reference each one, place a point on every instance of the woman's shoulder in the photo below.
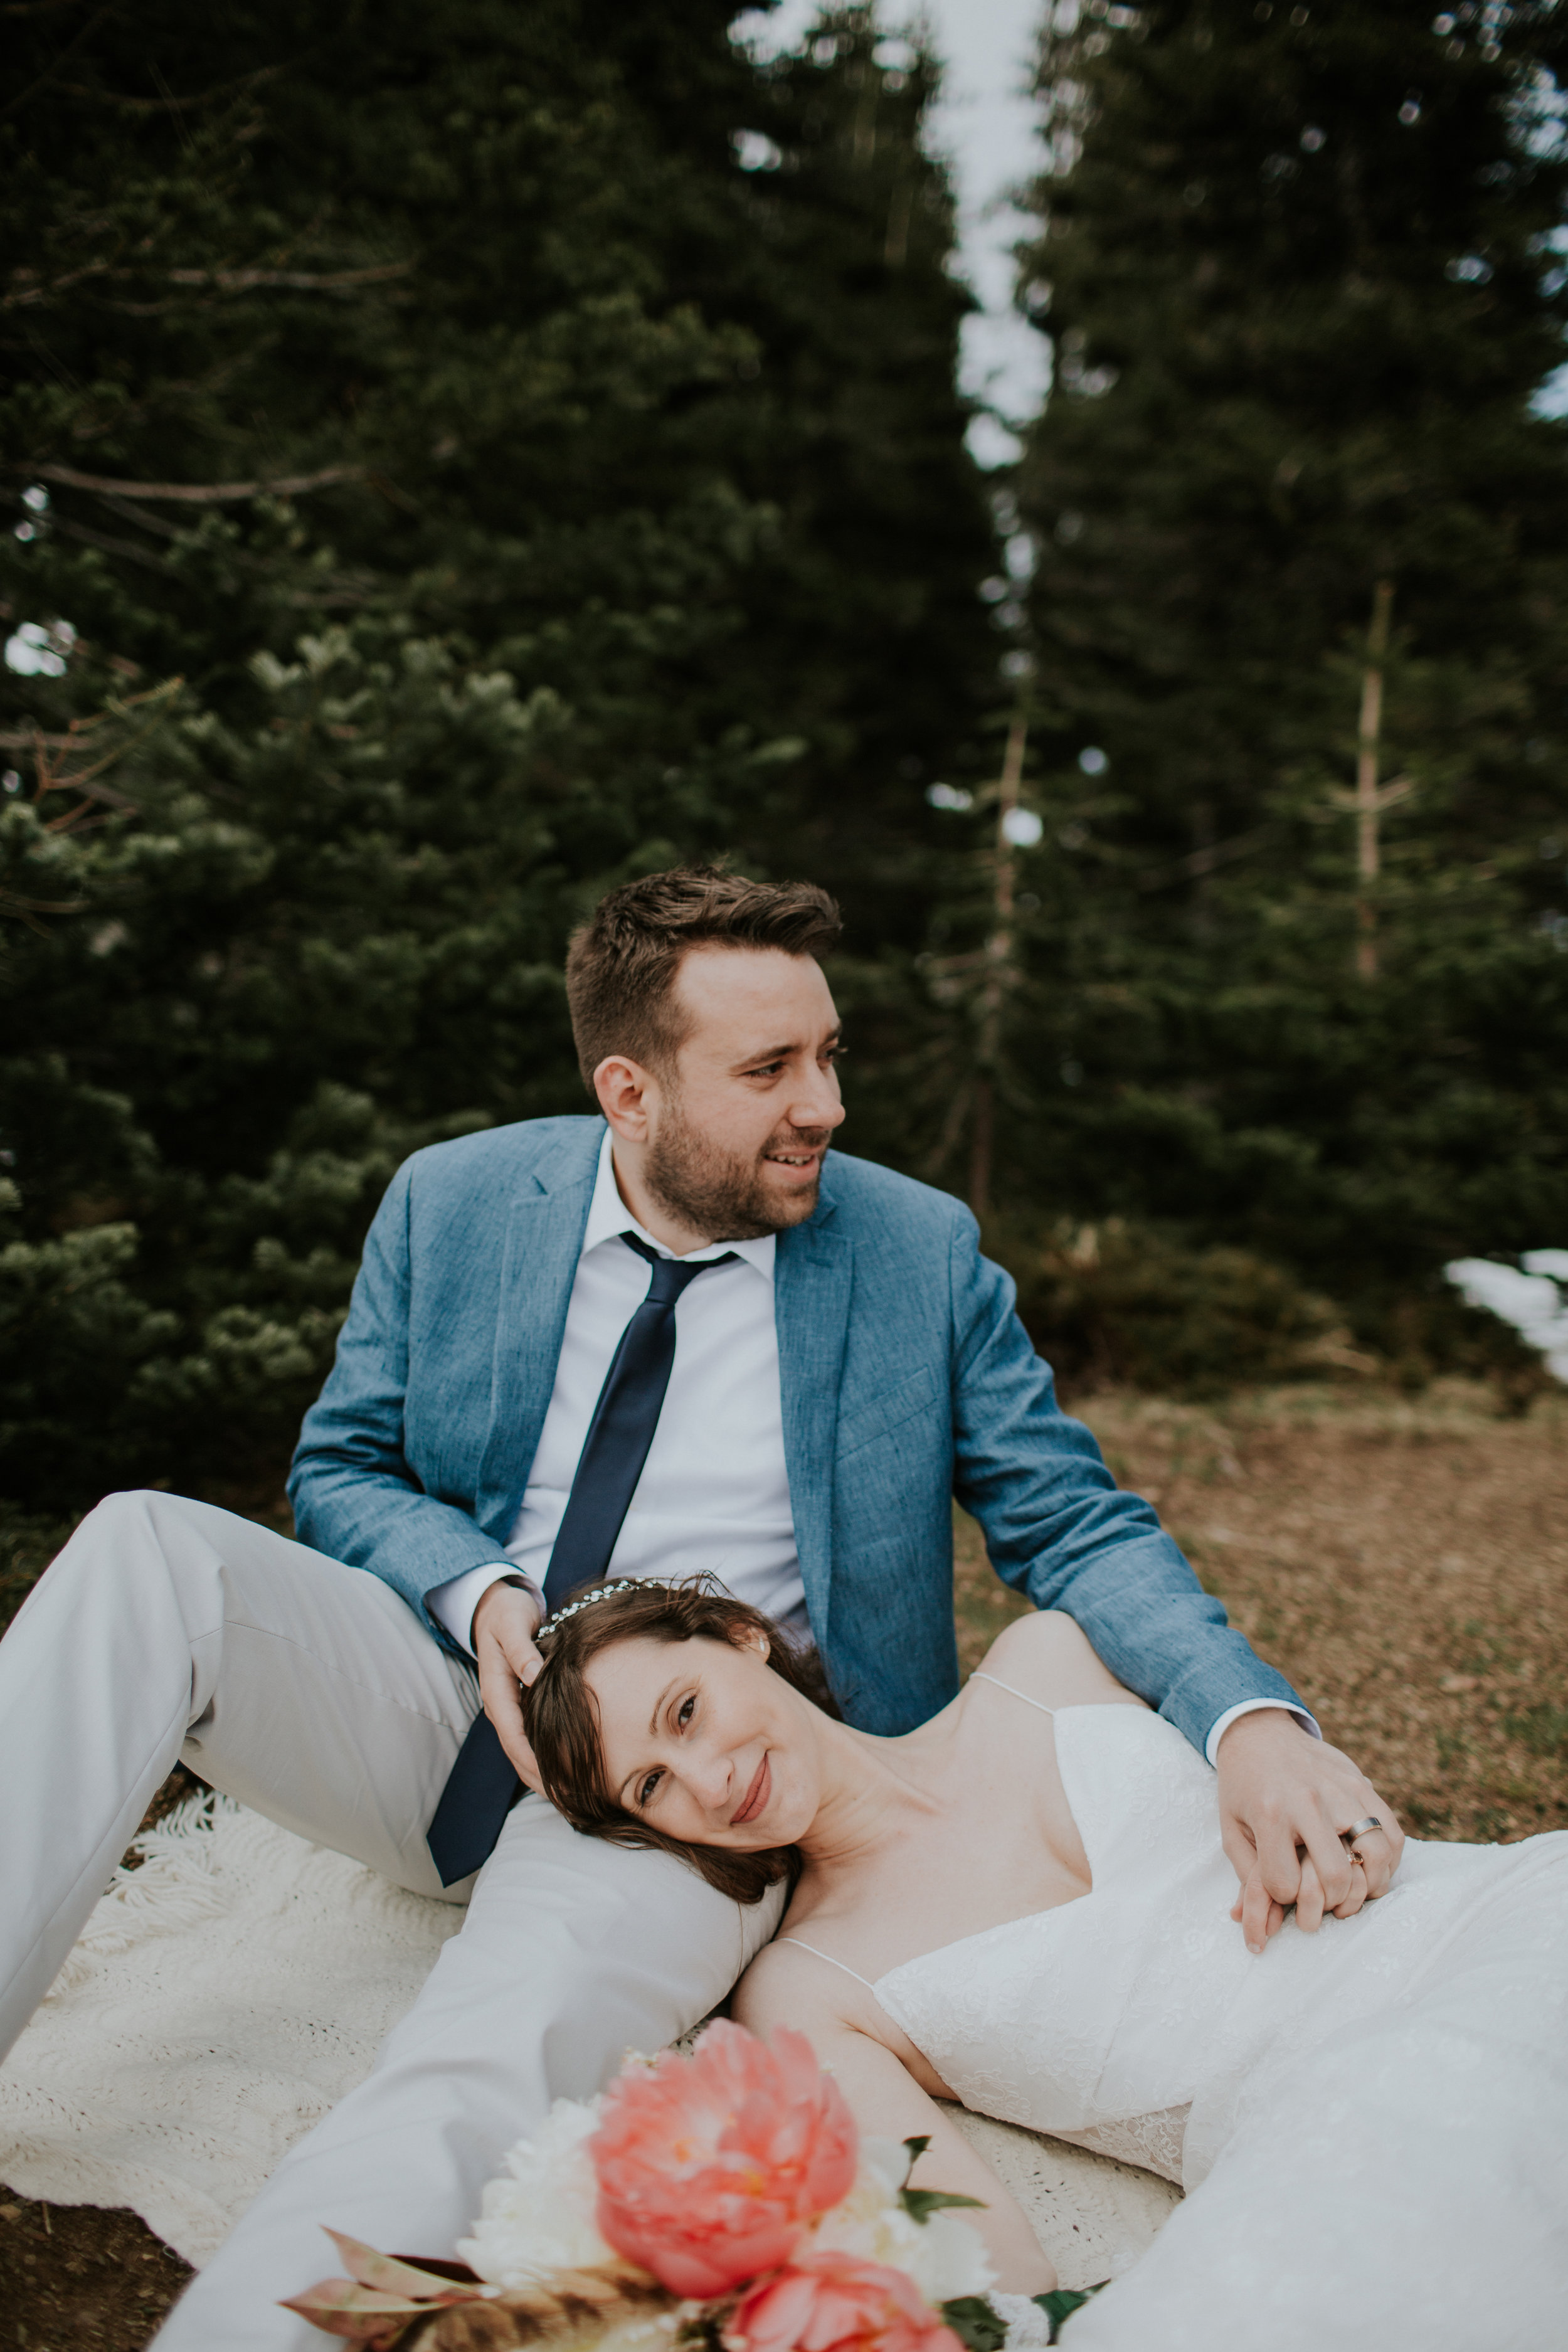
(1048, 1656)
(790, 1984)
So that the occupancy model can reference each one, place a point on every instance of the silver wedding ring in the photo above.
(1359, 1829)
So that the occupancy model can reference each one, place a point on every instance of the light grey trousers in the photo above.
(169, 1629)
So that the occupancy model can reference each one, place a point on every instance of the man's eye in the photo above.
(645, 1793)
(767, 1070)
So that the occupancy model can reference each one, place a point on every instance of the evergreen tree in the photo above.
(868, 607)
(525, 493)
(1298, 267)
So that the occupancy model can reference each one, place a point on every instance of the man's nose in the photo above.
(817, 1102)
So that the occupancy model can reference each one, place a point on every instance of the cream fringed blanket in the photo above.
(230, 1990)
(223, 1997)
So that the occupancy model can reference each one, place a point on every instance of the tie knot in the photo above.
(671, 1275)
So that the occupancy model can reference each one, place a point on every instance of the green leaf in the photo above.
(974, 2323)
(1062, 2301)
(920, 2204)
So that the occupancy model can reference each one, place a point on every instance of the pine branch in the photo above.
(224, 281)
(238, 281)
(199, 493)
(48, 76)
(1199, 862)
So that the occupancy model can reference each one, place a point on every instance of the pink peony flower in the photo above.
(835, 2303)
(711, 2166)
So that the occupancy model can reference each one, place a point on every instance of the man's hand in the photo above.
(1284, 1797)
(505, 1623)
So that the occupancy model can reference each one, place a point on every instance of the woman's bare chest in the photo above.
(1003, 1845)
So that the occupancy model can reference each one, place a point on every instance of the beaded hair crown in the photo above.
(600, 1592)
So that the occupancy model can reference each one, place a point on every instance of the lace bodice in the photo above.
(1087, 2020)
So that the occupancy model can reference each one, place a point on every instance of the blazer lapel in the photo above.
(813, 1278)
(542, 1242)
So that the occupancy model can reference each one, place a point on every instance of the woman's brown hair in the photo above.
(562, 1720)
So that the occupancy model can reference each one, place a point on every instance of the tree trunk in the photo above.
(1368, 804)
(998, 973)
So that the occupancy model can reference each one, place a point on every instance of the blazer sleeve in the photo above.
(354, 1495)
(1059, 1529)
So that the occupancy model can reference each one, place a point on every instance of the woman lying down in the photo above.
(1023, 1906)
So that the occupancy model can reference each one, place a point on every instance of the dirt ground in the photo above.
(1405, 1562)
(71, 2276)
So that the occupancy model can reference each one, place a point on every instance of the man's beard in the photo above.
(719, 1193)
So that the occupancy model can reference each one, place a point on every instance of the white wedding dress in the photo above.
(1375, 2118)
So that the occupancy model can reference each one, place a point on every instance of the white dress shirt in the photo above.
(714, 1491)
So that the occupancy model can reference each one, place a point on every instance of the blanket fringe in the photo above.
(175, 1885)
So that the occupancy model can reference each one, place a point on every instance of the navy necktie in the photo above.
(482, 1784)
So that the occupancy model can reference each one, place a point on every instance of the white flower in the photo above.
(951, 2258)
(1028, 2329)
(944, 2256)
(538, 2216)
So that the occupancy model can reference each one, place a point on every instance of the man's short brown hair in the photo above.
(621, 966)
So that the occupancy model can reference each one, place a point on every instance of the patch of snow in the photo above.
(1528, 1296)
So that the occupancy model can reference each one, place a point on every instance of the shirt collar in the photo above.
(609, 1218)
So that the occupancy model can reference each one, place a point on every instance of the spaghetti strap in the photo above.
(831, 1961)
(978, 1677)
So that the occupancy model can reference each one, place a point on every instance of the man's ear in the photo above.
(623, 1088)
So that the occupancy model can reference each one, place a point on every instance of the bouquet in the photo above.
(720, 2202)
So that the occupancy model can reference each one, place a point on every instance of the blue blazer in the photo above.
(907, 1380)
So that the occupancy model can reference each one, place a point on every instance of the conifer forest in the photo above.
(455, 457)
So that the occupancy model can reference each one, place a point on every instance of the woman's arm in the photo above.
(887, 2101)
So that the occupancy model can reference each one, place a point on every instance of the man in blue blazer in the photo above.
(673, 1336)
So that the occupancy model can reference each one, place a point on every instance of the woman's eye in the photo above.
(688, 1709)
(645, 1793)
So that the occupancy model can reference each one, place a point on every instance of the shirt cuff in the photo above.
(453, 1604)
(1250, 1707)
